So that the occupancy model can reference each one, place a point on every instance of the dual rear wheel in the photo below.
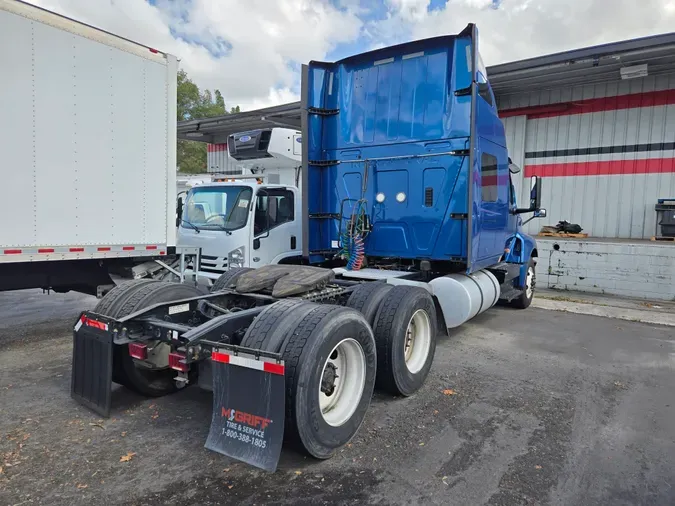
(335, 356)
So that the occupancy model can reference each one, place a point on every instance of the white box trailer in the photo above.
(88, 151)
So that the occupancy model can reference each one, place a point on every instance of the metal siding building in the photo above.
(605, 145)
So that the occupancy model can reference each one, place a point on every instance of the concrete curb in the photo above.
(621, 313)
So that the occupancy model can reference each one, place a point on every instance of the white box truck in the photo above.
(87, 152)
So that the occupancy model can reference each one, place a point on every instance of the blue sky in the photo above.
(251, 50)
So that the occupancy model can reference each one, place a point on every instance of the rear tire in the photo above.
(228, 279)
(134, 297)
(525, 298)
(405, 333)
(314, 341)
(366, 299)
(272, 328)
(307, 335)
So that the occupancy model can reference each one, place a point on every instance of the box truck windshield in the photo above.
(218, 207)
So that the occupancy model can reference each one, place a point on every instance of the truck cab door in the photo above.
(276, 228)
(491, 202)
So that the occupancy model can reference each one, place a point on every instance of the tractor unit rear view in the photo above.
(410, 228)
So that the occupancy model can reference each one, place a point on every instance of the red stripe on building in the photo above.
(604, 168)
(216, 147)
(631, 101)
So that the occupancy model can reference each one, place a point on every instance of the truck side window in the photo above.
(488, 178)
(273, 207)
(484, 89)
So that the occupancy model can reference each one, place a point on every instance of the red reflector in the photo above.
(76, 250)
(220, 357)
(46, 250)
(138, 350)
(175, 362)
(94, 323)
(153, 50)
(128, 248)
(12, 252)
(103, 249)
(162, 252)
(273, 368)
(151, 247)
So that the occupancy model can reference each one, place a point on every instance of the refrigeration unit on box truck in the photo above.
(88, 145)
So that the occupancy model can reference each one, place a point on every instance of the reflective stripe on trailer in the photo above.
(261, 364)
(59, 252)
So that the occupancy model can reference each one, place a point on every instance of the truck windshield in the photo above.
(218, 207)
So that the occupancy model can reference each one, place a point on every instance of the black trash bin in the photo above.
(666, 208)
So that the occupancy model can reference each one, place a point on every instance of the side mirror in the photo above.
(540, 213)
(256, 243)
(513, 168)
(535, 192)
(179, 211)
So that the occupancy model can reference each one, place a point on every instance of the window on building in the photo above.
(488, 178)
(273, 207)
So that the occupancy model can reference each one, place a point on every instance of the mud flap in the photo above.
(91, 381)
(248, 408)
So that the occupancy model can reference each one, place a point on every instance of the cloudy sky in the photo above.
(252, 49)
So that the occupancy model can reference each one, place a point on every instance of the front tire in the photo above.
(525, 298)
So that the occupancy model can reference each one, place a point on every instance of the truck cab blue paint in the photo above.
(392, 129)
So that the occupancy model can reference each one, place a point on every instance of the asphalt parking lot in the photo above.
(522, 407)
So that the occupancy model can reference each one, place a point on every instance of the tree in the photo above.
(194, 104)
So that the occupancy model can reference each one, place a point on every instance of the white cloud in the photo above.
(525, 28)
(265, 40)
(265, 37)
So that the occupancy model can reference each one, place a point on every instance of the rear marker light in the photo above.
(103, 249)
(12, 252)
(94, 323)
(128, 248)
(46, 250)
(151, 247)
(138, 350)
(176, 362)
(153, 50)
(76, 250)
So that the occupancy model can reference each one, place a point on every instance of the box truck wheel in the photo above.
(330, 374)
(229, 278)
(525, 298)
(366, 299)
(134, 297)
(405, 334)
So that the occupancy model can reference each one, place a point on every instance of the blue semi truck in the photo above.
(410, 227)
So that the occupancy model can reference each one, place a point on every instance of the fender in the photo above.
(521, 248)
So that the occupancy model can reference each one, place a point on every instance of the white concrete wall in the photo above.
(638, 269)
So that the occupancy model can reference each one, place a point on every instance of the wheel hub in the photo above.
(328, 381)
(340, 394)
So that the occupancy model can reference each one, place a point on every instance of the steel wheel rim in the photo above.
(529, 282)
(417, 341)
(349, 361)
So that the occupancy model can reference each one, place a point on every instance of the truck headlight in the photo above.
(236, 257)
